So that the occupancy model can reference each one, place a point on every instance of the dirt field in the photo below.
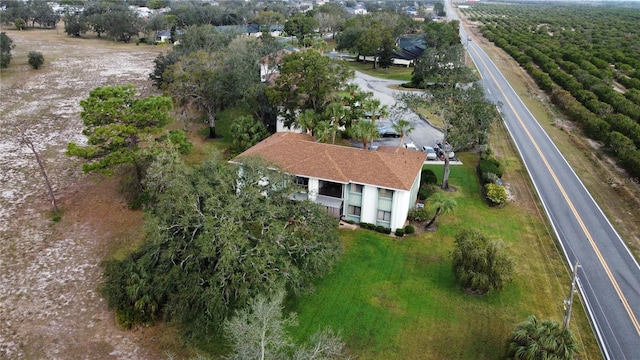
(49, 307)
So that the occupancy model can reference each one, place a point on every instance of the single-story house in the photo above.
(410, 49)
(378, 187)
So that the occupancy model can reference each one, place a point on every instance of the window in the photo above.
(384, 215)
(385, 193)
(356, 188)
(303, 181)
(354, 210)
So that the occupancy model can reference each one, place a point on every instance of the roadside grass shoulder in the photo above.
(616, 193)
(397, 298)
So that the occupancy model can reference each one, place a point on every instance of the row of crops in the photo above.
(586, 58)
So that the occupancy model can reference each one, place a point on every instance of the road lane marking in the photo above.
(603, 262)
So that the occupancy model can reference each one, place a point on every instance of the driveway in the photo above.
(423, 134)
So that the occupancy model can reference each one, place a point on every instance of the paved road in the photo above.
(609, 276)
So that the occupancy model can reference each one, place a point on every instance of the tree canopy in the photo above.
(481, 264)
(6, 44)
(216, 236)
(300, 25)
(546, 339)
(28, 13)
(115, 122)
(259, 332)
(315, 78)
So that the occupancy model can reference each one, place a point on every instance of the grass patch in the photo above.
(199, 134)
(391, 73)
(397, 299)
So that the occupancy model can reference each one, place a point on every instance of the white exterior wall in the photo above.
(402, 62)
(281, 128)
(401, 201)
(313, 188)
(369, 204)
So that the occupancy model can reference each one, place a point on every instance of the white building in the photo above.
(377, 187)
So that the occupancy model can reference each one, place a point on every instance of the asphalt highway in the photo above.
(608, 276)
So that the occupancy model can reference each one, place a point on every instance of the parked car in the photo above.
(410, 146)
(440, 149)
(387, 131)
(431, 153)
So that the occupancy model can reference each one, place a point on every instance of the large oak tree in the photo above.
(307, 81)
(216, 236)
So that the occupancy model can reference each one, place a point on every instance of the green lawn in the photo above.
(392, 73)
(397, 299)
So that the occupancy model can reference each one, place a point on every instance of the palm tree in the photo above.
(322, 131)
(373, 106)
(307, 121)
(403, 127)
(364, 131)
(336, 113)
(532, 340)
(441, 204)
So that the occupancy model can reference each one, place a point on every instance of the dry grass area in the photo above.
(617, 193)
(49, 305)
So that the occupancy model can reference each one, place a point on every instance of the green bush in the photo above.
(428, 177)
(409, 229)
(488, 178)
(418, 214)
(19, 23)
(179, 139)
(6, 44)
(35, 59)
(367, 226)
(490, 165)
(496, 194)
(486, 154)
(400, 232)
(424, 192)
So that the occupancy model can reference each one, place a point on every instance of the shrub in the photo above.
(409, 229)
(367, 226)
(486, 154)
(19, 23)
(6, 44)
(489, 178)
(383, 229)
(428, 177)
(178, 140)
(496, 194)
(424, 192)
(35, 59)
(400, 232)
(418, 214)
(481, 264)
(490, 165)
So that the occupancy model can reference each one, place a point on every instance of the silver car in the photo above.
(431, 153)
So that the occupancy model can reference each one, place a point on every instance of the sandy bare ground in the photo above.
(49, 306)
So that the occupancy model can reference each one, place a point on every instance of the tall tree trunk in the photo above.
(434, 219)
(25, 140)
(445, 175)
(212, 126)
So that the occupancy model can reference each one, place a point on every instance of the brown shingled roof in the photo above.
(388, 167)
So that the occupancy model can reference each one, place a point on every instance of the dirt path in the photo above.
(49, 307)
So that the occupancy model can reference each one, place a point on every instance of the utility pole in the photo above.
(568, 303)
